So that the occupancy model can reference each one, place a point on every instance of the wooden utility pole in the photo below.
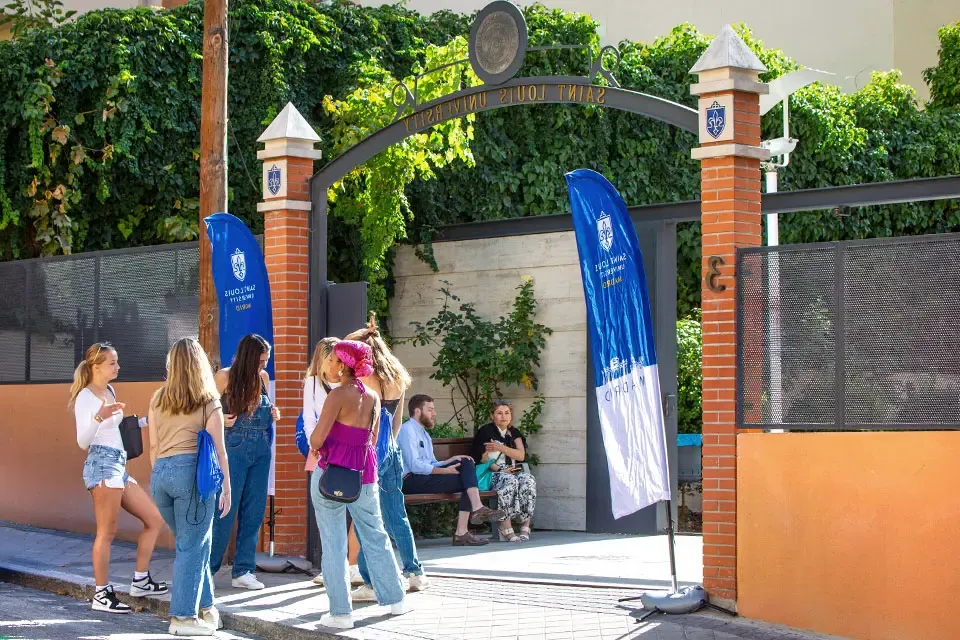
(213, 159)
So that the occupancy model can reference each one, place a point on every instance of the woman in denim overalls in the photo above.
(390, 381)
(249, 417)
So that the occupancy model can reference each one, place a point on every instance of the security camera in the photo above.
(780, 146)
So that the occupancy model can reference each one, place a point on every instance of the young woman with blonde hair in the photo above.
(321, 380)
(185, 405)
(390, 380)
(98, 415)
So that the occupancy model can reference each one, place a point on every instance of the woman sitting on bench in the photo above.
(516, 489)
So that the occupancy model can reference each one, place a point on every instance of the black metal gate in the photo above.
(859, 335)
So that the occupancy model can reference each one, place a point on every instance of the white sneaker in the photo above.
(212, 617)
(106, 600)
(363, 594)
(189, 627)
(355, 578)
(248, 581)
(401, 608)
(337, 622)
(147, 586)
(418, 583)
(318, 579)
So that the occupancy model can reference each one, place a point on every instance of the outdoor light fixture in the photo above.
(781, 148)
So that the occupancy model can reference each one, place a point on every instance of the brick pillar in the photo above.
(730, 155)
(288, 158)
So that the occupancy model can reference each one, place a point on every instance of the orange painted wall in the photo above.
(41, 464)
(853, 534)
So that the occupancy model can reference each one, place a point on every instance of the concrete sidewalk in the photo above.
(454, 608)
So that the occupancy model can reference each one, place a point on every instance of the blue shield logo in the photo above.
(716, 119)
(273, 179)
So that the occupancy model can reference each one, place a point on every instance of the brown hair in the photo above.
(96, 354)
(417, 402)
(243, 388)
(190, 384)
(386, 367)
(502, 403)
(320, 353)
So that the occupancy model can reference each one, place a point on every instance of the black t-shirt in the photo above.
(489, 432)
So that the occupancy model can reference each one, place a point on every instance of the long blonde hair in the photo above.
(190, 384)
(386, 367)
(320, 353)
(83, 374)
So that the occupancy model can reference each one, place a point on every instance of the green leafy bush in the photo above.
(478, 359)
(689, 376)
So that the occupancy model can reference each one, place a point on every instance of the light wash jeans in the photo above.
(173, 485)
(395, 519)
(332, 522)
(248, 452)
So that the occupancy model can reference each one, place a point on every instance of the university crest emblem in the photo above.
(716, 119)
(239, 262)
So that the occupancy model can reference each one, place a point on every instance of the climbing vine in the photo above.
(372, 197)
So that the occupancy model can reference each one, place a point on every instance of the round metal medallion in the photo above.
(498, 42)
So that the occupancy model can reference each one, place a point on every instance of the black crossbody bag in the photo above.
(342, 484)
(129, 432)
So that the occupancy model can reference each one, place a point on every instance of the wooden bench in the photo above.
(444, 449)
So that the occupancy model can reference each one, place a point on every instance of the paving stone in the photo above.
(453, 609)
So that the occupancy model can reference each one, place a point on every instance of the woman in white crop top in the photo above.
(98, 416)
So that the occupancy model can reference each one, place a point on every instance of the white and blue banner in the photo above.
(624, 351)
(243, 291)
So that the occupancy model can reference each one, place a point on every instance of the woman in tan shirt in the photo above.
(181, 409)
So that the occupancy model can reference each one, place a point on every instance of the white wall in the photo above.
(486, 273)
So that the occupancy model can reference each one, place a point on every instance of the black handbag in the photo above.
(130, 433)
(342, 484)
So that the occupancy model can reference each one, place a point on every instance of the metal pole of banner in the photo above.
(688, 600)
(671, 543)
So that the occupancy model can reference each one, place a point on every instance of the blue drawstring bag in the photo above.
(385, 436)
(209, 474)
(303, 444)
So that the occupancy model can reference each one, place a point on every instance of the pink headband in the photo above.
(356, 355)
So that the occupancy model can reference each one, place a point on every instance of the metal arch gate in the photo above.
(503, 22)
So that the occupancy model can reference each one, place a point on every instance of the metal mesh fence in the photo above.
(140, 300)
(851, 335)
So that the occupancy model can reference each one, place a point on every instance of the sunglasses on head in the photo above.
(100, 347)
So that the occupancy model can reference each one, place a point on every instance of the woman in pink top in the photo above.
(344, 436)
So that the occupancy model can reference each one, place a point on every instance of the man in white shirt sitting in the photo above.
(423, 473)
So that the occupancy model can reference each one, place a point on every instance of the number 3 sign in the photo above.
(713, 274)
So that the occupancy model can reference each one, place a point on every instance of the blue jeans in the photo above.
(248, 451)
(332, 522)
(173, 485)
(106, 465)
(394, 517)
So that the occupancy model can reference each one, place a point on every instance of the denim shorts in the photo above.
(106, 465)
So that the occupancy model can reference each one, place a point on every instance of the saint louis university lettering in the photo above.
(520, 94)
